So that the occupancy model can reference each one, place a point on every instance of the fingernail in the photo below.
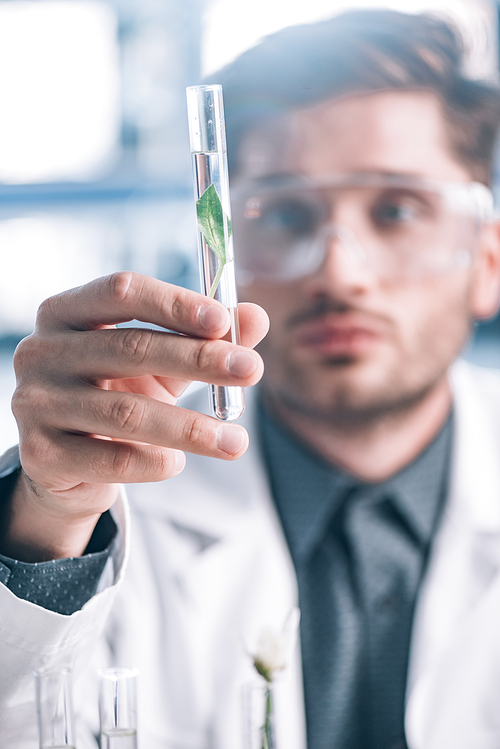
(230, 439)
(180, 461)
(212, 317)
(241, 363)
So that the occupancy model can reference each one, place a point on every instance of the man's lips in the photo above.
(337, 337)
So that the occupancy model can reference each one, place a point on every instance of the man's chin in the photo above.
(352, 401)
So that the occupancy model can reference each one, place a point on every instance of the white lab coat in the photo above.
(209, 568)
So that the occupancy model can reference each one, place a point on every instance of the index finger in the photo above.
(126, 296)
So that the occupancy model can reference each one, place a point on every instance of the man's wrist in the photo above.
(37, 532)
(31, 529)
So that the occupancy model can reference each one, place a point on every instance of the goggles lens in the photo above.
(401, 227)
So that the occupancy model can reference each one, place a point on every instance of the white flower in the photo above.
(274, 649)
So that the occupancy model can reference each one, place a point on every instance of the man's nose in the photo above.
(344, 265)
(345, 238)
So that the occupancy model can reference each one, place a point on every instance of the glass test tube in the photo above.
(118, 708)
(213, 212)
(54, 705)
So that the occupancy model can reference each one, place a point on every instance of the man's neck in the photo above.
(378, 449)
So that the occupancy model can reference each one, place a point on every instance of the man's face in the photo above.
(345, 344)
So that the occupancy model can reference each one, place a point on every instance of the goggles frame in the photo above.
(472, 200)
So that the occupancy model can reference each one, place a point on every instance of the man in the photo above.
(370, 490)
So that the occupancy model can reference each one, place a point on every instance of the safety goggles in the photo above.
(401, 227)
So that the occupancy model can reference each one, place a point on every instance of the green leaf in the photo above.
(210, 216)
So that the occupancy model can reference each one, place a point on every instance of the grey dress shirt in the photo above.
(360, 551)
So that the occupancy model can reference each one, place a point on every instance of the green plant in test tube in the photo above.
(211, 220)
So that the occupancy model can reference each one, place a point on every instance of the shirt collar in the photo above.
(309, 491)
(419, 490)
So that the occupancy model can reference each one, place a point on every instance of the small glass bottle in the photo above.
(118, 708)
(258, 715)
(56, 727)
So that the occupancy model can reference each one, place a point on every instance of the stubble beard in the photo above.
(341, 399)
(345, 406)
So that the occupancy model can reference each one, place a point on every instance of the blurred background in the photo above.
(95, 172)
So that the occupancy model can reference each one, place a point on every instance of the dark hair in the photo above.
(362, 51)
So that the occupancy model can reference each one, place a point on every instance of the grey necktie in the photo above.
(357, 596)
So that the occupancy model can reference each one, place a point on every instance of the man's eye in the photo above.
(294, 218)
(391, 214)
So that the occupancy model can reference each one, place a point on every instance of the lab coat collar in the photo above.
(475, 473)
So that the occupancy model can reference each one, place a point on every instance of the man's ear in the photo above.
(486, 284)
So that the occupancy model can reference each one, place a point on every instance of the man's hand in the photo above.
(95, 404)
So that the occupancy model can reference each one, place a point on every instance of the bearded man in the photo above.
(360, 160)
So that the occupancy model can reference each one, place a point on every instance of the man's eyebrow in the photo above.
(386, 173)
(277, 178)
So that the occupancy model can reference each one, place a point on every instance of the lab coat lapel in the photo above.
(224, 515)
(251, 557)
(236, 510)
(212, 498)
(461, 584)
(249, 562)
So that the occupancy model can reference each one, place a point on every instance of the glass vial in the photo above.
(118, 708)
(213, 213)
(258, 715)
(56, 727)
